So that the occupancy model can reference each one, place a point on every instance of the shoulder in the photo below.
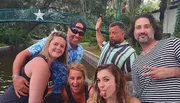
(39, 60)
(37, 66)
(59, 67)
(79, 47)
(37, 47)
(90, 101)
(105, 43)
(59, 64)
(134, 100)
(128, 45)
(172, 41)
(90, 89)
(64, 95)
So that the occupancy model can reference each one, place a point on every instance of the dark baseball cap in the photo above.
(75, 21)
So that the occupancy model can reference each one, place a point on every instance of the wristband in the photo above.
(15, 75)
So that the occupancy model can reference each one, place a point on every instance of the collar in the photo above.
(121, 44)
(70, 48)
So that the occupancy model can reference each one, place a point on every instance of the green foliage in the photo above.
(13, 36)
(177, 25)
(148, 7)
(90, 37)
(2, 44)
(137, 49)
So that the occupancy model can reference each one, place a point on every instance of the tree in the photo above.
(148, 7)
(163, 6)
(133, 5)
(177, 24)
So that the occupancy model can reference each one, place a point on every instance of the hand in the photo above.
(98, 23)
(159, 73)
(20, 86)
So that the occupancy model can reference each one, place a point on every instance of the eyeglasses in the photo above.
(75, 31)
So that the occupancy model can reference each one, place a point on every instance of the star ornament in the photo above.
(39, 15)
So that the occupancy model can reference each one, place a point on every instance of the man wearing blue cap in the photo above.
(75, 34)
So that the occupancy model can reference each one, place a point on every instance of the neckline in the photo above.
(154, 46)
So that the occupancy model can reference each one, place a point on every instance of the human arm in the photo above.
(19, 82)
(99, 36)
(39, 75)
(162, 72)
(167, 72)
(128, 66)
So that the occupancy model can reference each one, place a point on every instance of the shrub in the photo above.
(13, 36)
(177, 24)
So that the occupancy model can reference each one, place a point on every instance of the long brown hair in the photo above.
(120, 82)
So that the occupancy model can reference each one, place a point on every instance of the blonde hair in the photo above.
(79, 67)
(119, 80)
(63, 57)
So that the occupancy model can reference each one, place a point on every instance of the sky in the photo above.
(150, 0)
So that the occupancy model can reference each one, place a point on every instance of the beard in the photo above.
(113, 43)
(145, 39)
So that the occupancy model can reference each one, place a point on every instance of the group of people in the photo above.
(50, 71)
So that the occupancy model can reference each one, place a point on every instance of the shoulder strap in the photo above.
(70, 96)
(40, 55)
(86, 92)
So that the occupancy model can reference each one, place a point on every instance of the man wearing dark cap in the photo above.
(75, 34)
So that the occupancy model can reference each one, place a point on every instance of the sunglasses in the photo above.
(75, 31)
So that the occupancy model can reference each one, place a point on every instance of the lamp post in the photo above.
(118, 10)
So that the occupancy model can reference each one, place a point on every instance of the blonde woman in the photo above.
(77, 90)
(37, 70)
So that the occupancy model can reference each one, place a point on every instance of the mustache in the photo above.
(113, 43)
(143, 34)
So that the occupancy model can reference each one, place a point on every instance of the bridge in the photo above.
(42, 16)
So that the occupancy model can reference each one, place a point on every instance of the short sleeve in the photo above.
(37, 47)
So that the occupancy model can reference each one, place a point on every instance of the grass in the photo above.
(93, 49)
(2, 44)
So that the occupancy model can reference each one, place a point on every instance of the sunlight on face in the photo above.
(57, 47)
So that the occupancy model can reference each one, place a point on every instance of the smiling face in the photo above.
(56, 47)
(75, 38)
(143, 32)
(106, 84)
(76, 80)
